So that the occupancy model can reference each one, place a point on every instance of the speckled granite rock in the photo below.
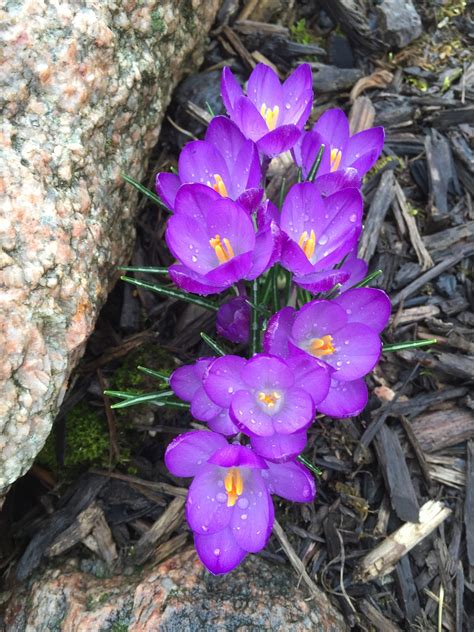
(176, 596)
(84, 88)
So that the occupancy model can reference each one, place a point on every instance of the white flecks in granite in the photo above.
(84, 88)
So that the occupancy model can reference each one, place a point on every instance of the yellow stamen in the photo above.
(306, 244)
(269, 399)
(336, 157)
(234, 485)
(223, 249)
(321, 346)
(270, 115)
(218, 185)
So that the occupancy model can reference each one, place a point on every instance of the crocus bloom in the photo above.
(225, 161)
(215, 242)
(269, 398)
(344, 333)
(233, 319)
(319, 233)
(186, 383)
(346, 159)
(229, 507)
(272, 114)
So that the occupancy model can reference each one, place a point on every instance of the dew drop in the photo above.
(348, 361)
(244, 516)
(204, 527)
(194, 258)
(306, 492)
(230, 389)
(346, 342)
(349, 311)
(339, 363)
(217, 551)
(243, 503)
(288, 106)
(353, 218)
(220, 483)
(323, 240)
(221, 497)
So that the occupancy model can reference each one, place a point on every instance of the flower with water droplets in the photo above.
(229, 507)
(271, 114)
(225, 161)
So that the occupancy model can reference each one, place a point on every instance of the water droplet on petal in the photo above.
(353, 218)
(217, 551)
(204, 527)
(323, 240)
(339, 363)
(194, 259)
(243, 503)
(346, 342)
(244, 516)
(221, 497)
(287, 106)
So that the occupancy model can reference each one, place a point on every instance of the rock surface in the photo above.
(399, 22)
(84, 87)
(175, 596)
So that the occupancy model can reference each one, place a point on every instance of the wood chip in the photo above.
(469, 503)
(440, 172)
(382, 560)
(378, 79)
(376, 618)
(236, 43)
(163, 527)
(362, 115)
(378, 209)
(443, 428)
(414, 314)
(407, 589)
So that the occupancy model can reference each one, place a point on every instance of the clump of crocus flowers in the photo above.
(304, 328)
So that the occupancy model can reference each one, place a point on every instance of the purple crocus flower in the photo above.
(346, 159)
(233, 319)
(186, 383)
(272, 114)
(269, 398)
(318, 233)
(215, 242)
(343, 333)
(229, 507)
(356, 268)
(225, 161)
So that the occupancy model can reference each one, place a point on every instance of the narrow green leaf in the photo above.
(314, 169)
(120, 394)
(275, 290)
(409, 344)
(368, 279)
(212, 344)
(254, 332)
(143, 399)
(299, 174)
(209, 109)
(158, 374)
(149, 194)
(171, 293)
(282, 193)
(148, 270)
(314, 468)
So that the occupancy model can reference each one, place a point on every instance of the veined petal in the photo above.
(249, 119)
(188, 453)
(329, 183)
(278, 140)
(357, 351)
(219, 552)
(223, 379)
(364, 149)
(290, 480)
(277, 334)
(226, 137)
(200, 161)
(345, 399)
(194, 199)
(296, 89)
(248, 416)
(279, 448)
(223, 424)
(317, 319)
(366, 305)
(187, 379)
(311, 375)
(193, 282)
(264, 87)
(253, 515)
(167, 185)
(206, 505)
(238, 456)
(333, 127)
(321, 281)
(230, 90)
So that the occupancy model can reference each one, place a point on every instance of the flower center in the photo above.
(336, 157)
(234, 485)
(223, 249)
(270, 115)
(307, 244)
(218, 185)
(269, 399)
(321, 346)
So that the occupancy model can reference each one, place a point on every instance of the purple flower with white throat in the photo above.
(229, 507)
(215, 242)
(269, 398)
(343, 333)
(318, 234)
(225, 161)
(272, 114)
(346, 159)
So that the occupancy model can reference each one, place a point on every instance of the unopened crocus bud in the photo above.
(233, 320)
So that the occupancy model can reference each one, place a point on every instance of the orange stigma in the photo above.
(269, 399)
(218, 185)
(307, 244)
(321, 346)
(234, 485)
(336, 157)
(223, 249)
(270, 115)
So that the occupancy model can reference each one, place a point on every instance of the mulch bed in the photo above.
(391, 534)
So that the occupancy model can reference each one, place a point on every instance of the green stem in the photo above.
(149, 194)
(143, 399)
(164, 291)
(314, 169)
(212, 344)
(149, 270)
(158, 374)
(282, 193)
(409, 344)
(275, 291)
(254, 337)
(309, 465)
(368, 279)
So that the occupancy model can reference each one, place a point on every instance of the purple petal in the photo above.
(345, 399)
(223, 424)
(296, 414)
(230, 90)
(303, 210)
(364, 149)
(249, 417)
(194, 199)
(250, 199)
(219, 552)
(293, 258)
(265, 252)
(290, 480)
(246, 170)
(202, 408)
(237, 456)
(167, 185)
(278, 140)
(358, 349)
(249, 119)
(298, 95)
(279, 447)
(226, 137)
(206, 504)
(333, 127)
(317, 319)
(186, 380)
(311, 375)
(193, 282)
(264, 87)
(330, 183)
(357, 268)
(366, 305)
(200, 161)
(227, 219)
(223, 379)
(267, 213)
(307, 150)
(226, 274)
(321, 281)
(233, 320)
(252, 519)
(278, 332)
(186, 235)
(266, 372)
(186, 455)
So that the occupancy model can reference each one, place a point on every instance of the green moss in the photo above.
(157, 22)
(129, 378)
(300, 32)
